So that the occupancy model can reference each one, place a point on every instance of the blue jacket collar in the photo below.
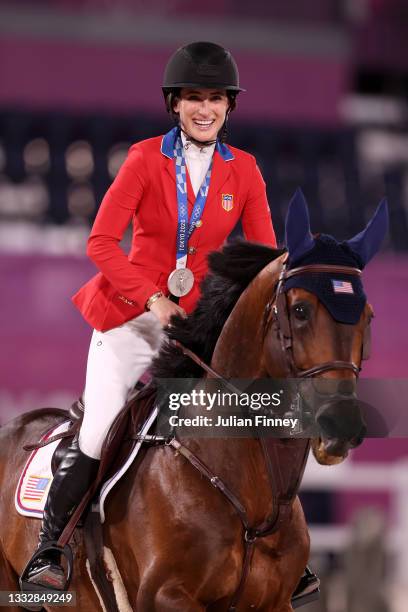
(167, 146)
(224, 151)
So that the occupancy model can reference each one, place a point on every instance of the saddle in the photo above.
(122, 436)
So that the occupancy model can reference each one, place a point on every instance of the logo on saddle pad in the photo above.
(35, 488)
(227, 201)
(35, 480)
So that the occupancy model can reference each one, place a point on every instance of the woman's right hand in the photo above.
(164, 309)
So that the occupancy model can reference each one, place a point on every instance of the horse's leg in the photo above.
(8, 579)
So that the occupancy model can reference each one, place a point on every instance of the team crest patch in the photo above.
(227, 201)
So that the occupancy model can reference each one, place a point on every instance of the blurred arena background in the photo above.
(326, 108)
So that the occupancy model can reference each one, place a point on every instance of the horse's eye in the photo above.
(301, 312)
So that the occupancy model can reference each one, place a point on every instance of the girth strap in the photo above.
(93, 538)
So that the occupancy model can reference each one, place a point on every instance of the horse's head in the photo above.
(318, 325)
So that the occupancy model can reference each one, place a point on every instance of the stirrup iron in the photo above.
(26, 586)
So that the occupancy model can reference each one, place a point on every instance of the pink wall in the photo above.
(127, 78)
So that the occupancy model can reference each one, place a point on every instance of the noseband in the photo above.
(276, 312)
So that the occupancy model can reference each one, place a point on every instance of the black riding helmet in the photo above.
(202, 65)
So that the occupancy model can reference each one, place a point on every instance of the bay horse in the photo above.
(179, 544)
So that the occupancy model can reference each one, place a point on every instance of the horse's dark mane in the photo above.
(230, 272)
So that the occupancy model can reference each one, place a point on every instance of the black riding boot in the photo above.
(72, 480)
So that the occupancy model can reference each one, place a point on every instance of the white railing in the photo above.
(369, 477)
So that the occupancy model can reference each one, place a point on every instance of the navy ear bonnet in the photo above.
(342, 294)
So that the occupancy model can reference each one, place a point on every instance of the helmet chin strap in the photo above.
(199, 143)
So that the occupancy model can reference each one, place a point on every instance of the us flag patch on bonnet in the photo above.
(340, 286)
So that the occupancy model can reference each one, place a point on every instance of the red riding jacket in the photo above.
(144, 192)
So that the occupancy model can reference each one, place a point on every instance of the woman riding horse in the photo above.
(184, 193)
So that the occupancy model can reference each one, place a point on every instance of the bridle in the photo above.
(276, 313)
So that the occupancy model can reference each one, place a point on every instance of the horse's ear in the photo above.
(298, 237)
(367, 243)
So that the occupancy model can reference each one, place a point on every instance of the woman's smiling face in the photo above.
(202, 112)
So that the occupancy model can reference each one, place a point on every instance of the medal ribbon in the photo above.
(185, 227)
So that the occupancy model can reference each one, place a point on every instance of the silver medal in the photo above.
(180, 282)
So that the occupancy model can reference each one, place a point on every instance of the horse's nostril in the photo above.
(357, 440)
(337, 447)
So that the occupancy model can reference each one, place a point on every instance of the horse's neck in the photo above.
(238, 352)
(240, 462)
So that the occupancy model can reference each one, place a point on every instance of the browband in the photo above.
(319, 268)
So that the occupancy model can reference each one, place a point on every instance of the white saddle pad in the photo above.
(35, 480)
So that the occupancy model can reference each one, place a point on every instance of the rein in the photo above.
(197, 360)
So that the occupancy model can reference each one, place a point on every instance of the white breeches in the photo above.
(117, 358)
